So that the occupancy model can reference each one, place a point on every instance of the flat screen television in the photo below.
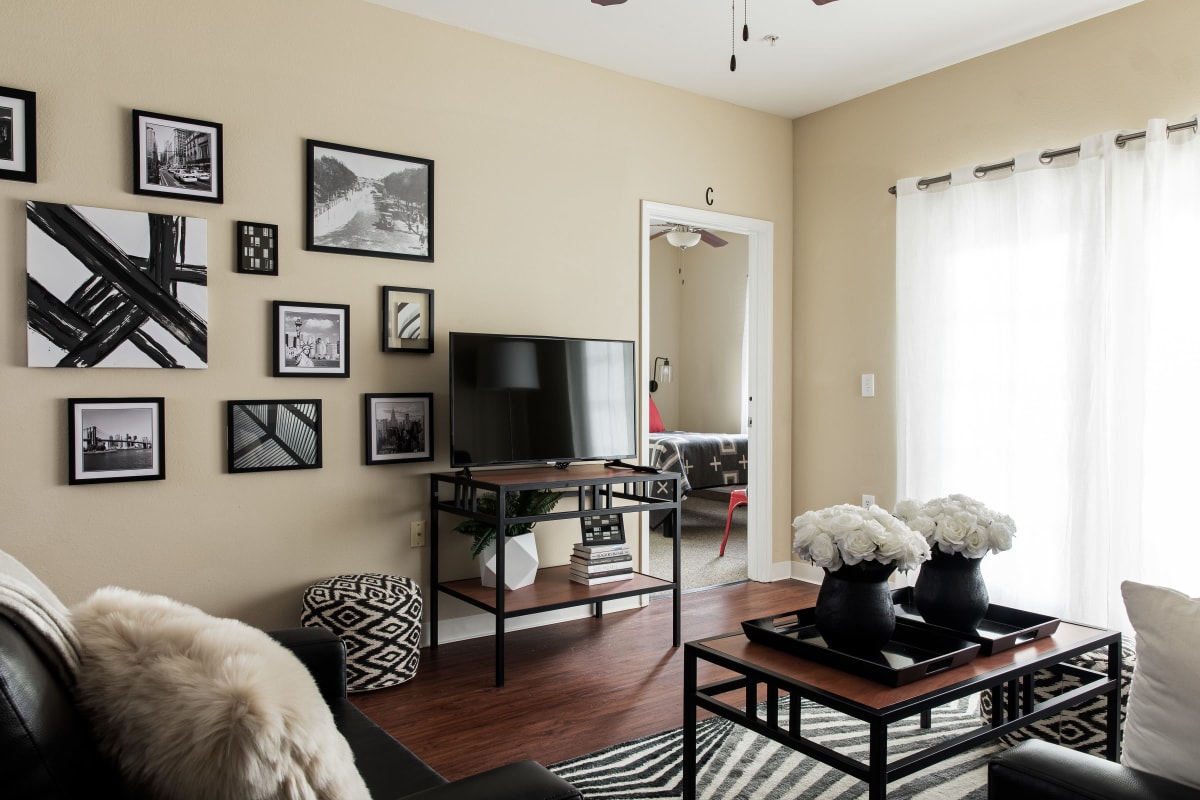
(540, 399)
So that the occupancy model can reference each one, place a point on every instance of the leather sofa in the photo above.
(1038, 770)
(47, 751)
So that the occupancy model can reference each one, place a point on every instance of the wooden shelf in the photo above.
(552, 589)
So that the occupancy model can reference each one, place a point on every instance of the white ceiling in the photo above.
(825, 55)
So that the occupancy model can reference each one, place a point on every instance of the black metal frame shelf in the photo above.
(597, 489)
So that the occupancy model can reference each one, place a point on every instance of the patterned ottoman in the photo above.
(1082, 727)
(379, 619)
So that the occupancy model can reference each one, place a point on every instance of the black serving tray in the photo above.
(915, 651)
(1001, 628)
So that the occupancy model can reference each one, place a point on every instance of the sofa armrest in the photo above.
(1039, 770)
(524, 780)
(322, 652)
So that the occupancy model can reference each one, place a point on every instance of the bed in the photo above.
(704, 460)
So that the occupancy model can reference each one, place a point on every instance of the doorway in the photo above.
(760, 271)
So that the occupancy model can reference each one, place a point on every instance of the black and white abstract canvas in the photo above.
(267, 435)
(110, 288)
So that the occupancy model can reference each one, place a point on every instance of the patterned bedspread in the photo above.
(703, 459)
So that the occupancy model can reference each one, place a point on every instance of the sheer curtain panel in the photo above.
(1048, 364)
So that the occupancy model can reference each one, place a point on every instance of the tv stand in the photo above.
(595, 488)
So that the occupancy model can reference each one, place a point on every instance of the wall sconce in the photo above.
(666, 372)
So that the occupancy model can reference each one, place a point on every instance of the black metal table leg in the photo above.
(689, 725)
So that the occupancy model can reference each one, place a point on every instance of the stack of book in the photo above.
(601, 563)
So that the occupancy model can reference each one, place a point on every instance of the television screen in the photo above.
(540, 399)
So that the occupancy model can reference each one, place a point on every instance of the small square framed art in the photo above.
(257, 245)
(398, 428)
(311, 340)
(115, 439)
(271, 435)
(18, 135)
(177, 157)
(407, 320)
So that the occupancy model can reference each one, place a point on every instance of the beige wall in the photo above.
(1110, 73)
(697, 320)
(530, 151)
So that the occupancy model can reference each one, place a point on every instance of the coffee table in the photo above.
(751, 671)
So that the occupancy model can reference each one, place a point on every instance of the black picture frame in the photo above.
(273, 435)
(406, 320)
(397, 428)
(310, 340)
(178, 157)
(115, 440)
(364, 202)
(18, 135)
(256, 248)
(602, 529)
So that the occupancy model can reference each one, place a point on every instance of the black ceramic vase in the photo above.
(855, 612)
(950, 591)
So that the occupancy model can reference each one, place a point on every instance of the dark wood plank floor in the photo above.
(570, 688)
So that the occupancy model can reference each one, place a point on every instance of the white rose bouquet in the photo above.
(848, 534)
(958, 524)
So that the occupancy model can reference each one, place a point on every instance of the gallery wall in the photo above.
(526, 146)
(1111, 73)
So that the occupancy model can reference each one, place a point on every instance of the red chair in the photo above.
(737, 497)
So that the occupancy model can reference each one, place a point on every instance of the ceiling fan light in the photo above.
(683, 239)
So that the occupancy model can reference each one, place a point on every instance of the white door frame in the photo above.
(760, 288)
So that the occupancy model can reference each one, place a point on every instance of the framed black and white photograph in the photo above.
(112, 288)
(115, 439)
(398, 427)
(177, 157)
(270, 435)
(312, 340)
(18, 135)
(369, 203)
(407, 320)
(257, 245)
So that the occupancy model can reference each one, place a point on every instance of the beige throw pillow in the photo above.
(199, 708)
(1163, 722)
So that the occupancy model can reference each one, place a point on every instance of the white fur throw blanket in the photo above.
(40, 615)
(194, 707)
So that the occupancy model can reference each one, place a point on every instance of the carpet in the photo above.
(736, 764)
(703, 523)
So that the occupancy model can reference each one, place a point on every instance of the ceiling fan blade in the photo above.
(618, 2)
(660, 233)
(818, 2)
(711, 238)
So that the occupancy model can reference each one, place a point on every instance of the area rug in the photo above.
(736, 764)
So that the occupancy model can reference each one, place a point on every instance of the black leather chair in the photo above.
(1038, 770)
(47, 751)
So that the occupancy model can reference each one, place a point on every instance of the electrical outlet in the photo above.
(417, 532)
(868, 500)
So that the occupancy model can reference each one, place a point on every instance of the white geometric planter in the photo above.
(520, 562)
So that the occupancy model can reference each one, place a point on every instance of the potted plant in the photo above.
(520, 554)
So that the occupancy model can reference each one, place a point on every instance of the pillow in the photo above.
(191, 706)
(1163, 721)
(656, 423)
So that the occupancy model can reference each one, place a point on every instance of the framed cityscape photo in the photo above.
(177, 157)
(257, 245)
(398, 428)
(311, 340)
(407, 320)
(271, 435)
(369, 203)
(115, 439)
(18, 135)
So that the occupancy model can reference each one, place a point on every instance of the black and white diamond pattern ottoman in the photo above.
(379, 619)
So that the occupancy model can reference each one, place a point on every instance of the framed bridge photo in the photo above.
(115, 439)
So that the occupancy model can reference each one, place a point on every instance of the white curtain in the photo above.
(1049, 364)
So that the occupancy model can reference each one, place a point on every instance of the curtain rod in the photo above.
(1047, 156)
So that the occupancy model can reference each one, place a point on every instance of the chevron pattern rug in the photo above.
(736, 764)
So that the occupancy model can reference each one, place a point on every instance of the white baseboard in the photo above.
(475, 626)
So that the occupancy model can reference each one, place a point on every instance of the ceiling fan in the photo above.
(619, 2)
(685, 236)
